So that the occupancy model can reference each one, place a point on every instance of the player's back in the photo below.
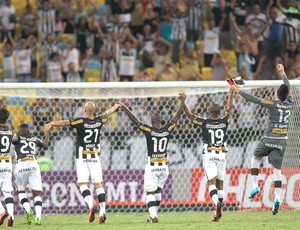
(157, 139)
(88, 135)
(279, 115)
(6, 135)
(26, 145)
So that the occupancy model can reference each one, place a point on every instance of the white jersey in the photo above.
(23, 61)
(211, 41)
(54, 72)
(127, 62)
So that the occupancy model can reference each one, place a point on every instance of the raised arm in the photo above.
(187, 111)
(130, 115)
(251, 98)
(281, 73)
(112, 109)
(60, 123)
(230, 100)
(46, 139)
(235, 26)
(179, 111)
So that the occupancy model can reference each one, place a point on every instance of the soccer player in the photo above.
(6, 135)
(87, 149)
(28, 170)
(273, 144)
(156, 169)
(214, 130)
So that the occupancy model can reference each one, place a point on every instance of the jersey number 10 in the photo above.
(159, 145)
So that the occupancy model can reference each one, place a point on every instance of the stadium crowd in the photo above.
(148, 40)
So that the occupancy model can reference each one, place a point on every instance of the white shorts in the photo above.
(87, 168)
(6, 176)
(214, 165)
(28, 172)
(155, 177)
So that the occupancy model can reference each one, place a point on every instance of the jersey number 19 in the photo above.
(216, 136)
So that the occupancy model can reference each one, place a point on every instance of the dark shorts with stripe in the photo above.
(272, 148)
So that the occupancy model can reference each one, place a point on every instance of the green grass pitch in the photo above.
(189, 220)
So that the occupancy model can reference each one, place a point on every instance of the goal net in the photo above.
(123, 146)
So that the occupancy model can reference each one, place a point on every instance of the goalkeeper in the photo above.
(273, 144)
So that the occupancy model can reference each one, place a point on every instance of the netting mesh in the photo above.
(123, 153)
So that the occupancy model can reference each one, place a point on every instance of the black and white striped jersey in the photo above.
(88, 135)
(6, 135)
(26, 146)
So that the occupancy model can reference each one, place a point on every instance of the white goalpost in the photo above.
(123, 147)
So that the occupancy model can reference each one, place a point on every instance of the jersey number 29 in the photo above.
(216, 136)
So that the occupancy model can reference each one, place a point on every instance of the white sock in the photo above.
(278, 182)
(157, 200)
(38, 202)
(101, 198)
(254, 165)
(151, 203)
(213, 193)
(221, 195)
(24, 201)
(9, 200)
(2, 210)
(86, 193)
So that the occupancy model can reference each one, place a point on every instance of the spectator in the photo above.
(82, 12)
(165, 30)
(74, 75)
(147, 43)
(70, 55)
(35, 48)
(98, 36)
(136, 22)
(274, 38)
(7, 18)
(249, 37)
(107, 56)
(59, 24)
(50, 46)
(189, 64)
(150, 18)
(82, 32)
(68, 13)
(8, 58)
(46, 20)
(163, 52)
(245, 61)
(178, 29)
(291, 31)
(193, 22)
(258, 20)
(54, 68)
(23, 62)
(127, 58)
(169, 73)
(219, 68)
(163, 10)
(211, 41)
(45, 163)
(240, 12)
(145, 76)
(28, 22)
(291, 54)
(221, 15)
(124, 9)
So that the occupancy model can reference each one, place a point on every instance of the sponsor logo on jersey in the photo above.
(219, 126)
(27, 170)
(8, 132)
(155, 134)
(92, 126)
(270, 145)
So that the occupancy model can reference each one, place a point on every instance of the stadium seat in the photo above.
(20, 6)
(67, 37)
(94, 64)
(18, 114)
(206, 72)
(92, 75)
(62, 45)
(16, 101)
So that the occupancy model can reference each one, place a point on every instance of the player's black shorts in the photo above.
(273, 148)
